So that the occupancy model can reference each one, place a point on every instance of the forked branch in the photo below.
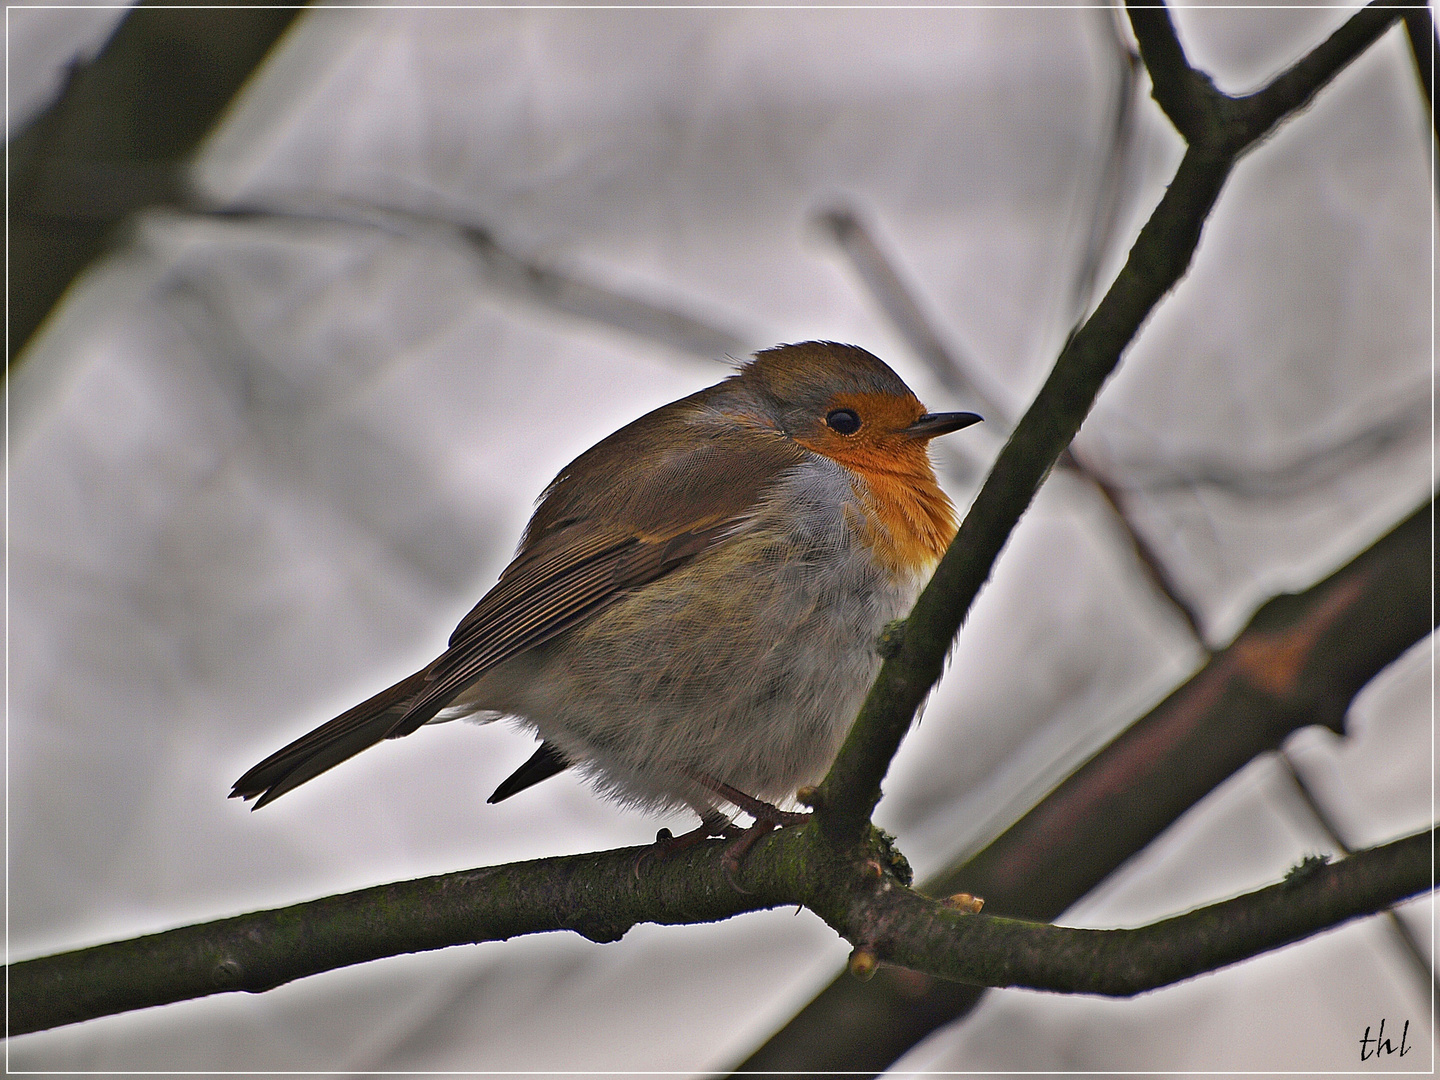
(1219, 129)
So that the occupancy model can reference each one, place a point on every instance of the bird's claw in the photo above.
(667, 844)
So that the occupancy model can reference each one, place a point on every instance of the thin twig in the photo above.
(507, 270)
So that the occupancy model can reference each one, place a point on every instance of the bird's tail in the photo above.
(381, 717)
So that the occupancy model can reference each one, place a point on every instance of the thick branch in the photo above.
(599, 896)
(603, 895)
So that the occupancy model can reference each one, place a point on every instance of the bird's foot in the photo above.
(730, 861)
(711, 825)
(767, 818)
(759, 809)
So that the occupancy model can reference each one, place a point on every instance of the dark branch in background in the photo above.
(119, 138)
(1300, 662)
(263, 950)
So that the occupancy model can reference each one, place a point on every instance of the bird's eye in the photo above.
(844, 421)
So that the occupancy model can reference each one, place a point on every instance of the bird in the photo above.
(692, 618)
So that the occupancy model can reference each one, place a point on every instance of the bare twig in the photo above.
(508, 271)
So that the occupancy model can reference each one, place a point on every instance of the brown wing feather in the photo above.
(593, 537)
(525, 610)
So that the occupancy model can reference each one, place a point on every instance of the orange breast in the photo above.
(910, 521)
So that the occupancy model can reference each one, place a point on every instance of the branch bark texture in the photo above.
(864, 900)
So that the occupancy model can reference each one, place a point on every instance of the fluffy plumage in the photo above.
(698, 593)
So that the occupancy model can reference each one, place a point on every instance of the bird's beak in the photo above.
(941, 423)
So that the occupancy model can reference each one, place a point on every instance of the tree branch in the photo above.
(120, 138)
(265, 949)
(848, 795)
(1159, 258)
(839, 865)
(1334, 638)
(927, 936)
(866, 901)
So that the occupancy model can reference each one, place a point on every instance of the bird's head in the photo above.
(847, 404)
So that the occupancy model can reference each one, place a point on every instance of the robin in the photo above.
(692, 617)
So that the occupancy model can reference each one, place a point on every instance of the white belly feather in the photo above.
(747, 664)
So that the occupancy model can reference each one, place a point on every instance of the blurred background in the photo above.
(288, 421)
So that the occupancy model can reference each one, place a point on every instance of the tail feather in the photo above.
(332, 742)
(543, 764)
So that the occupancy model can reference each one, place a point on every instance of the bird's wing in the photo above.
(582, 562)
(585, 548)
